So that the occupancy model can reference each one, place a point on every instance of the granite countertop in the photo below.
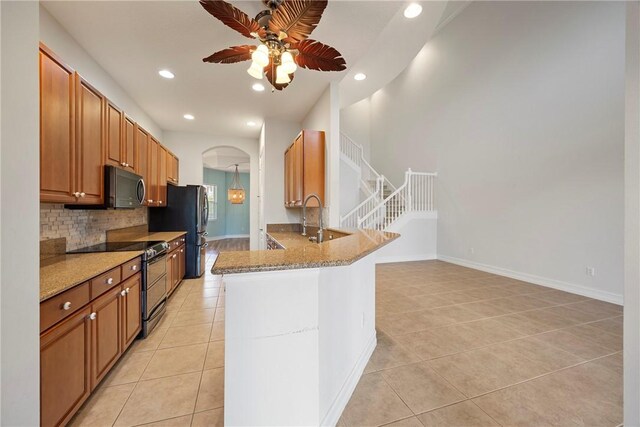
(62, 272)
(149, 236)
(300, 253)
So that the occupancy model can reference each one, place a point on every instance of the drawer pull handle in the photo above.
(66, 305)
(174, 255)
(123, 293)
(93, 316)
(134, 267)
(110, 281)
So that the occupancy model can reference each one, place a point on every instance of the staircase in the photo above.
(385, 203)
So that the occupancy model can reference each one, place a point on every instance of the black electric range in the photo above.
(151, 249)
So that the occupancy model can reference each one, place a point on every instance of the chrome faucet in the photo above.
(304, 216)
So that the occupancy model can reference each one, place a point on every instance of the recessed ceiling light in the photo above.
(250, 123)
(166, 74)
(360, 76)
(188, 117)
(413, 10)
(258, 87)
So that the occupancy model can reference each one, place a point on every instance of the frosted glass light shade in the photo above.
(287, 63)
(281, 76)
(256, 71)
(261, 56)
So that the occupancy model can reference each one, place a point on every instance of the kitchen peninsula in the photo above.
(299, 326)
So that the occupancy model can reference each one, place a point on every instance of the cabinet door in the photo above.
(175, 169)
(298, 153)
(128, 144)
(90, 118)
(142, 159)
(181, 263)
(64, 369)
(131, 310)
(313, 175)
(288, 182)
(57, 130)
(152, 188)
(114, 127)
(105, 333)
(162, 176)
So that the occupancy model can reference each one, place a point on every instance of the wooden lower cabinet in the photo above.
(175, 268)
(78, 352)
(65, 369)
(181, 263)
(106, 326)
(131, 310)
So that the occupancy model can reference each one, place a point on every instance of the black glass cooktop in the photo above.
(117, 247)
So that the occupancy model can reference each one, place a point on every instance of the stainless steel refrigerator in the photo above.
(187, 210)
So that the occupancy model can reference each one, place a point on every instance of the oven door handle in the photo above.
(157, 259)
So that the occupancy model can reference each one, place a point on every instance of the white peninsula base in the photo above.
(296, 343)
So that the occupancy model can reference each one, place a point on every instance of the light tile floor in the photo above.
(456, 347)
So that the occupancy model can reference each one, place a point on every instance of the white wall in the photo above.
(417, 242)
(189, 147)
(279, 135)
(325, 115)
(519, 106)
(19, 189)
(355, 122)
(350, 193)
(66, 47)
(632, 220)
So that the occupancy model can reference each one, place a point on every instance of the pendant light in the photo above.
(235, 194)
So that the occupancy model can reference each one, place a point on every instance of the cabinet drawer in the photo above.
(130, 268)
(59, 307)
(175, 243)
(105, 281)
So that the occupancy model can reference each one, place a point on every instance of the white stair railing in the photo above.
(355, 153)
(415, 195)
(350, 220)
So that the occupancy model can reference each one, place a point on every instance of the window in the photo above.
(212, 195)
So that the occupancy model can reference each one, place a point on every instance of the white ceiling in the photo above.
(132, 40)
(224, 158)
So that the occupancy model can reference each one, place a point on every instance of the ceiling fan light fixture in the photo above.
(256, 71)
(260, 56)
(412, 11)
(287, 63)
(282, 77)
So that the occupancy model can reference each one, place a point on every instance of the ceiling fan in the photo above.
(283, 31)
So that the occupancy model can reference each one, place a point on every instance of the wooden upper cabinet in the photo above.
(114, 127)
(90, 135)
(129, 144)
(172, 168)
(57, 129)
(65, 369)
(152, 187)
(305, 169)
(142, 159)
(162, 176)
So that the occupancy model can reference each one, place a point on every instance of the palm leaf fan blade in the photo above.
(271, 75)
(231, 55)
(297, 18)
(314, 55)
(232, 17)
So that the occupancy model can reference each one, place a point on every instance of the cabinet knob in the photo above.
(127, 165)
(110, 281)
(123, 164)
(174, 255)
(181, 250)
(134, 267)
(127, 290)
(150, 200)
(66, 305)
(123, 293)
(160, 201)
(77, 194)
(83, 194)
(93, 316)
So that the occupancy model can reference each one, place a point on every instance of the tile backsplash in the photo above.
(85, 227)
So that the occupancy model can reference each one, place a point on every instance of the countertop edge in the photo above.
(301, 266)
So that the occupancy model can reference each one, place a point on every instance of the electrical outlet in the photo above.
(591, 271)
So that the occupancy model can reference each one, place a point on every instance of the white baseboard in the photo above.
(405, 258)
(340, 402)
(230, 236)
(543, 281)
